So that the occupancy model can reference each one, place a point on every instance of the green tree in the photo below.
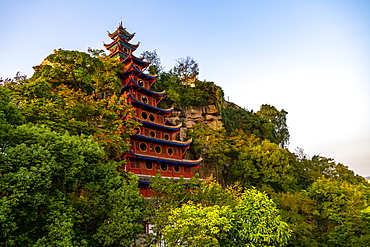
(278, 118)
(253, 221)
(339, 205)
(257, 222)
(55, 96)
(266, 166)
(170, 195)
(235, 117)
(195, 225)
(80, 71)
(186, 69)
(299, 211)
(311, 169)
(155, 62)
(58, 190)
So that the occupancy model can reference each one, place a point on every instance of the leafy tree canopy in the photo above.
(254, 221)
(58, 190)
(78, 93)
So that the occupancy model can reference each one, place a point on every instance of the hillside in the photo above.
(63, 182)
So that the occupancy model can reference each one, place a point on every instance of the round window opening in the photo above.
(125, 49)
(170, 151)
(144, 115)
(143, 147)
(137, 131)
(164, 167)
(166, 137)
(151, 117)
(158, 149)
(176, 168)
(141, 83)
(144, 99)
(148, 164)
(152, 133)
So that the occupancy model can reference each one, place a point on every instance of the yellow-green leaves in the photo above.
(253, 221)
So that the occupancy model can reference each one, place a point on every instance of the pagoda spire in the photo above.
(120, 46)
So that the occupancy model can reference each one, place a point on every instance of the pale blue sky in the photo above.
(310, 58)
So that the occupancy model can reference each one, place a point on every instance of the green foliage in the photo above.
(236, 157)
(278, 118)
(9, 112)
(298, 210)
(329, 213)
(253, 221)
(258, 222)
(80, 71)
(56, 97)
(311, 169)
(170, 195)
(268, 123)
(186, 69)
(155, 62)
(60, 183)
(338, 206)
(195, 225)
(58, 190)
(266, 166)
(203, 93)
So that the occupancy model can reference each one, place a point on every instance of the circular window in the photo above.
(151, 117)
(137, 131)
(176, 168)
(148, 164)
(140, 83)
(144, 99)
(170, 151)
(143, 147)
(166, 137)
(152, 133)
(158, 149)
(164, 167)
(125, 49)
(144, 115)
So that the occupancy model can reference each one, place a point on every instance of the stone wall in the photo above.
(189, 116)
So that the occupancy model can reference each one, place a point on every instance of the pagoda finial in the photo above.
(120, 24)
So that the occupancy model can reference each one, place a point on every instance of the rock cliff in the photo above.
(189, 116)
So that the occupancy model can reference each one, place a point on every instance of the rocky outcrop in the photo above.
(189, 116)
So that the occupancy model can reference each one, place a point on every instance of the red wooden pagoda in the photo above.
(154, 145)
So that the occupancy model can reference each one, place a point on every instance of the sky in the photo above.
(310, 58)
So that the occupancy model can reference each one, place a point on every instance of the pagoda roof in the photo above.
(120, 42)
(170, 123)
(168, 127)
(132, 82)
(132, 67)
(123, 55)
(169, 110)
(168, 160)
(174, 142)
(121, 31)
(136, 60)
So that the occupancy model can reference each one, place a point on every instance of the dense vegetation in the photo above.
(62, 182)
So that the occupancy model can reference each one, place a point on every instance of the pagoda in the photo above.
(154, 146)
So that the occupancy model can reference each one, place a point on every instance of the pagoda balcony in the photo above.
(153, 149)
(139, 104)
(152, 133)
(149, 117)
(145, 169)
(144, 86)
(144, 98)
